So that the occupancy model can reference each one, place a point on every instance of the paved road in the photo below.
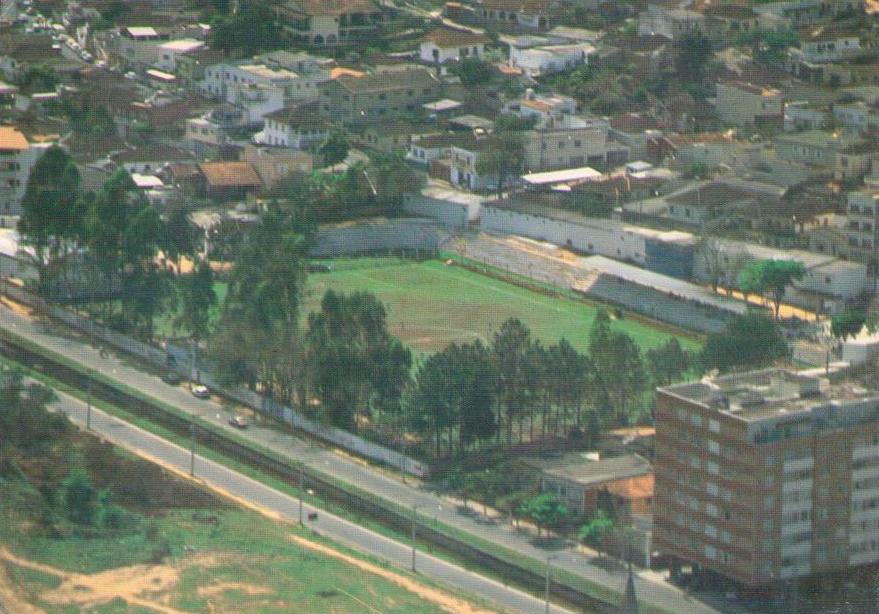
(431, 507)
(240, 486)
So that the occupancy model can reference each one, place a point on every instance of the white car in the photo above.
(201, 391)
(88, 57)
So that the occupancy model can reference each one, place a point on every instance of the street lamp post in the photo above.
(301, 490)
(88, 402)
(192, 449)
(414, 513)
(549, 559)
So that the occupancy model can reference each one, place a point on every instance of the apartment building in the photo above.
(295, 128)
(746, 104)
(361, 99)
(672, 23)
(16, 160)
(331, 22)
(570, 141)
(226, 81)
(517, 14)
(767, 475)
(450, 45)
(863, 233)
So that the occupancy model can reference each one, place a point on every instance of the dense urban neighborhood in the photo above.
(573, 302)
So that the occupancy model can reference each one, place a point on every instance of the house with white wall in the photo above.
(537, 60)
(294, 127)
(17, 157)
(450, 45)
(168, 53)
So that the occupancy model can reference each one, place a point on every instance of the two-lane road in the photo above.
(243, 488)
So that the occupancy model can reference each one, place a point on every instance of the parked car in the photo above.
(201, 391)
(171, 377)
(239, 422)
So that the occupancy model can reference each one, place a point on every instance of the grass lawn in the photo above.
(431, 304)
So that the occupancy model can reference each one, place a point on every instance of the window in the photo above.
(713, 425)
(713, 447)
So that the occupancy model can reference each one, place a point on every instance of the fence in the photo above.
(183, 364)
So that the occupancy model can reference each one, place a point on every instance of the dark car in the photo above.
(238, 422)
(170, 377)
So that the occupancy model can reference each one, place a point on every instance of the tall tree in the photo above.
(847, 324)
(668, 362)
(197, 299)
(51, 220)
(771, 277)
(619, 368)
(335, 149)
(545, 510)
(751, 340)
(501, 158)
(510, 347)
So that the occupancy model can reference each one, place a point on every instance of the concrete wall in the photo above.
(377, 236)
(449, 214)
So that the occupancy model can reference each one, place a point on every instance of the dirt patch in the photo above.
(10, 600)
(17, 308)
(444, 600)
(248, 589)
(134, 584)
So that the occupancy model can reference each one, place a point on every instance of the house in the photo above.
(356, 100)
(857, 115)
(137, 47)
(570, 141)
(746, 104)
(863, 227)
(208, 134)
(294, 127)
(541, 106)
(450, 45)
(229, 180)
(331, 22)
(726, 22)
(392, 135)
(828, 48)
(17, 157)
(273, 163)
(149, 159)
(537, 60)
(190, 67)
(168, 53)
(228, 81)
(423, 150)
(800, 115)
(672, 23)
(799, 13)
(722, 198)
(519, 14)
(462, 161)
(18, 53)
(621, 485)
(815, 147)
(854, 162)
(154, 189)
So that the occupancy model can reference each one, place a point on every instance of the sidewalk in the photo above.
(430, 507)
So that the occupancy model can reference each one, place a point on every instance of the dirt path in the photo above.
(10, 600)
(133, 584)
(438, 597)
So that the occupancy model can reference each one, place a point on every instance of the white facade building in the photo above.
(546, 59)
(17, 157)
(168, 53)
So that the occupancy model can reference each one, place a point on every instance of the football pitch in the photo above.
(431, 304)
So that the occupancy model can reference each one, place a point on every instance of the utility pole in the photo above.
(192, 449)
(301, 490)
(414, 513)
(549, 560)
(88, 402)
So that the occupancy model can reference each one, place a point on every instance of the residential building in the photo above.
(517, 14)
(672, 23)
(858, 116)
(541, 106)
(854, 162)
(799, 13)
(357, 100)
(829, 48)
(16, 160)
(227, 81)
(462, 165)
(137, 47)
(449, 45)
(815, 147)
(863, 227)
(726, 22)
(766, 476)
(802, 116)
(746, 104)
(585, 482)
(208, 134)
(149, 159)
(273, 163)
(535, 59)
(229, 180)
(570, 141)
(168, 53)
(425, 149)
(331, 22)
(294, 127)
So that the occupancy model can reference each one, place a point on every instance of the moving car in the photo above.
(238, 422)
(201, 391)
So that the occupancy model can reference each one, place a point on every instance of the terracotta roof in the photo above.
(640, 487)
(332, 7)
(10, 138)
(388, 80)
(230, 174)
(450, 37)
(341, 71)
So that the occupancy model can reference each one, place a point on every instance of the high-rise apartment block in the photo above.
(767, 475)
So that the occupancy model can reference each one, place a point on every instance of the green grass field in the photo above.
(431, 304)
